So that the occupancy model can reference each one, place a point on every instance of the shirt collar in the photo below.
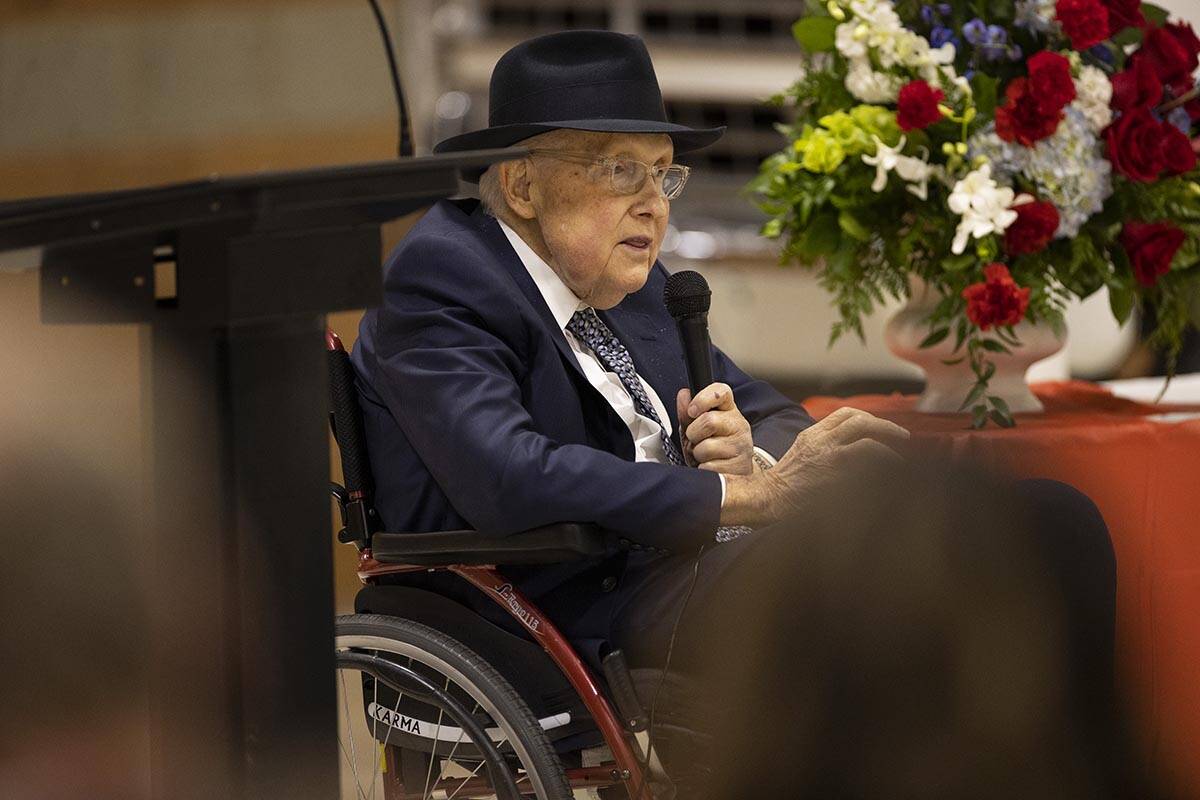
(562, 301)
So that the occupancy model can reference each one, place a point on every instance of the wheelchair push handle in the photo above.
(346, 421)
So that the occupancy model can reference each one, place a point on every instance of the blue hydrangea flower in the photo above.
(1067, 168)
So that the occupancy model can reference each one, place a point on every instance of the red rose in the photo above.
(1151, 246)
(1050, 81)
(917, 105)
(1186, 37)
(1033, 228)
(1020, 119)
(996, 301)
(1085, 22)
(1172, 52)
(1123, 14)
(1177, 150)
(1135, 145)
(1137, 87)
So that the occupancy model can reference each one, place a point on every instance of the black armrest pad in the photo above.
(549, 544)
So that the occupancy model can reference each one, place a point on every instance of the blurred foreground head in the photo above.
(915, 636)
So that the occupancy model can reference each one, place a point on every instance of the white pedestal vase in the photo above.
(946, 386)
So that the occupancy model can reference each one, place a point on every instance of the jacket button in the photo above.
(608, 584)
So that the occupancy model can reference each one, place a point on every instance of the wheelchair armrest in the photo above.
(549, 544)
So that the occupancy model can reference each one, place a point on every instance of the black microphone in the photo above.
(687, 298)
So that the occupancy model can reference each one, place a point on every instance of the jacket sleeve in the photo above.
(449, 371)
(774, 419)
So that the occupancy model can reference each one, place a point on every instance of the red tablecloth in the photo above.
(1143, 471)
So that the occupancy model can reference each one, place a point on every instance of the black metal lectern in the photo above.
(232, 278)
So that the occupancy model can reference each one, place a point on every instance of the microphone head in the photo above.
(686, 293)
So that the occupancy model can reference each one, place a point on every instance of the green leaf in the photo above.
(984, 88)
(934, 337)
(958, 263)
(772, 228)
(1003, 420)
(1155, 15)
(999, 404)
(850, 224)
(978, 416)
(950, 362)
(994, 346)
(975, 393)
(815, 34)
(1127, 37)
(1120, 302)
(822, 237)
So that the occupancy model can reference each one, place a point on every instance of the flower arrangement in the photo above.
(1012, 155)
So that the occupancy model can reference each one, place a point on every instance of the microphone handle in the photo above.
(693, 335)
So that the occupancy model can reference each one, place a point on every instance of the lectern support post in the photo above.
(242, 662)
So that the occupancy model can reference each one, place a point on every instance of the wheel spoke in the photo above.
(461, 731)
(387, 736)
(433, 756)
(353, 756)
(474, 772)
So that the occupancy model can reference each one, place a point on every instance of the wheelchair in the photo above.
(435, 701)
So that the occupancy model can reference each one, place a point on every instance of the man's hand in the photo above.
(845, 441)
(714, 433)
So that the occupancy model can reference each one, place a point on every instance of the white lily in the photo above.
(884, 161)
(915, 171)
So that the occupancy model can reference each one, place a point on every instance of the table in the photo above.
(1141, 465)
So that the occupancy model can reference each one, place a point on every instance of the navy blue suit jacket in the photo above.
(478, 415)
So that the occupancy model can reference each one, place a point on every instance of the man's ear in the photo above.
(515, 183)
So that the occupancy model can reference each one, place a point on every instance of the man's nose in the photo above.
(651, 200)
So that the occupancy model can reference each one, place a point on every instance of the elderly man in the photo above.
(523, 370)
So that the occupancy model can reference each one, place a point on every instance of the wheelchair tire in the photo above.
(440, 659)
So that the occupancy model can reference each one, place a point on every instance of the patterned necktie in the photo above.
(592, 331)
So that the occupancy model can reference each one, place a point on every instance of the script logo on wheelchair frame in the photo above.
(506, 591)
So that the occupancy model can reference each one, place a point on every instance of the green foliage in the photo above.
(814, 33)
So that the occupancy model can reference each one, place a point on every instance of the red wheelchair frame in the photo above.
(626, 769)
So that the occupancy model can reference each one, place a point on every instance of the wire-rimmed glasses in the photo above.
(628, 175)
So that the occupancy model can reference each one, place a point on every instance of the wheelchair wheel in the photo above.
(422, 716)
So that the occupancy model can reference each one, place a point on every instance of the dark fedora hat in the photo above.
(583, 80)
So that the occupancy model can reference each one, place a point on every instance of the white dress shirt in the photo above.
(647, 443)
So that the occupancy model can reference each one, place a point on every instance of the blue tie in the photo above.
(592, 331)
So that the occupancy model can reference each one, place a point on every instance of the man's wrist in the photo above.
(747, 500)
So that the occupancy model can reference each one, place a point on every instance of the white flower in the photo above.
(913, 170)
(874, 28)
(917, 172)
(984, 206)
(1093, 91)
(848, 44)
(870, 86)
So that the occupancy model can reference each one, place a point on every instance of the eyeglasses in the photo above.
(628, 176)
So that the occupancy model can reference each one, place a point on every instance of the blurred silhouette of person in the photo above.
(72, 630)
(922, 631)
